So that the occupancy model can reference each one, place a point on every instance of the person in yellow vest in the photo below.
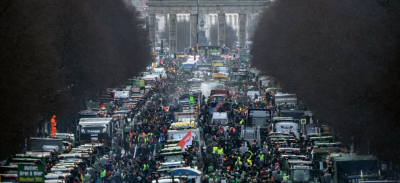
(250, 162)
(238, 162)
(220, 150)
(103, 174)
(215, 149)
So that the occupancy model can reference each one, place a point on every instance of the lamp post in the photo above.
(197, 27)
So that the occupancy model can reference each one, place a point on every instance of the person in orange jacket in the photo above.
(53, 125)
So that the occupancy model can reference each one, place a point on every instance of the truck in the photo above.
(204, 67)
(219, 95)
(184, 125)
(300, 171)
(187, 116)
(285, 99)
(355, 168)
(286, 125)
(67, 138)
(216, 63)
(46, 144)
(238, 78)
(121, 94)
(179, 134)
(220, 77)
(183, 174)
(188, 67)
(285, 165)
(222, 70)
(94, 129)
(257, 124)
(184, 98)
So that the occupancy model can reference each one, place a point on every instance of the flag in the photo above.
(101, 106)
(115, 109)
(186, 140)
(191, 100)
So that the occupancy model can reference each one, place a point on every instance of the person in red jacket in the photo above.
(53, 125)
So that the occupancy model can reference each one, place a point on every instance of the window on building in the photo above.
(235, 20)
(215, 19)
(230, 20)
(210, 19)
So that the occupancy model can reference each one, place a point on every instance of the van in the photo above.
(219, 118)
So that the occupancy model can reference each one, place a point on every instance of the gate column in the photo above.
(193, 30)
(172, 34)
(221, 29)
(242, 32)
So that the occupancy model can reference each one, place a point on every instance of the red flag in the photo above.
(244, 111)
(186, 140)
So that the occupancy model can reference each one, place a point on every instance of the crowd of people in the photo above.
(224, 155)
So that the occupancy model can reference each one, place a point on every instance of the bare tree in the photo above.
(342, 59)
(58, 54)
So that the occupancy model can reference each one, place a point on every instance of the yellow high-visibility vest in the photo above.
(249, 161)
(215, 149)
(220, 151)
(103, 174)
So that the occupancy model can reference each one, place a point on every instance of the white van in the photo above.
(219, 118)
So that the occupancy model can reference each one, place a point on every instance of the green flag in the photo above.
(191, 101)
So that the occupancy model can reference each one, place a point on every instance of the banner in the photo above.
(186, 140)
(142, 84)
(30, 173)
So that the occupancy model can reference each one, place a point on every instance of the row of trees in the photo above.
(183, 32)
(342, 59)
(58, 54)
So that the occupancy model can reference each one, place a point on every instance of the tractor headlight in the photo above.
(82, 130)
